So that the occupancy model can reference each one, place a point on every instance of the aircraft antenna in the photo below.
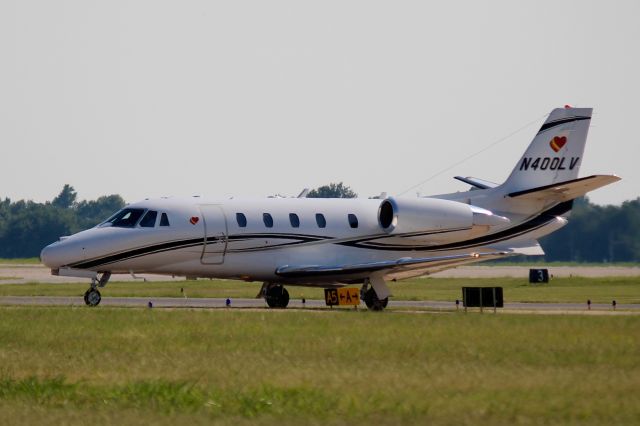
(497, 142)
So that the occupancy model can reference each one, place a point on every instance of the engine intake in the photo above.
(386, 215)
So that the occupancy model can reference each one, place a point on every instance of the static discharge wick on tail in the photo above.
(331, 243)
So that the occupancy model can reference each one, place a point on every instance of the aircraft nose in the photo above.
(55, 255)
(47, 256)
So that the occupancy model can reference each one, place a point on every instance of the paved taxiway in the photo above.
(178, 302)
(22, 274)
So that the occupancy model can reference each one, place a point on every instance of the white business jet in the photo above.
(331, 243)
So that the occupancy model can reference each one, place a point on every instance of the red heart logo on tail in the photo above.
(194, 220)
(557, 143)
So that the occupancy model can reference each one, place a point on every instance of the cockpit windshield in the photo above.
(125, 218)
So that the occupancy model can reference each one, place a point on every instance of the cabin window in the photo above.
(164, 220)
(295, 220)
(268, 220)
(149, 219)
(353, 220)
(321, 221)
(125, 218)
(241, 219)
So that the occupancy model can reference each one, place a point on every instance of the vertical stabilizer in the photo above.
(555, 154)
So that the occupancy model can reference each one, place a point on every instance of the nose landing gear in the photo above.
(92, 296)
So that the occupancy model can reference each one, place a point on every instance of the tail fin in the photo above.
(555, 153)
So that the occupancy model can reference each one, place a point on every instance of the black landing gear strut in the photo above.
(92, 296)
(371, 299)
(275, 295)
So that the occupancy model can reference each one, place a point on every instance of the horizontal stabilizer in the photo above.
(476, 183)
(526, 248)
(565, 191)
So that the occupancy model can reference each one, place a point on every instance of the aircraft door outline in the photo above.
(216, 234)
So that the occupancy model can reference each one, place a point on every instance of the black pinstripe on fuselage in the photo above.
(370, 242)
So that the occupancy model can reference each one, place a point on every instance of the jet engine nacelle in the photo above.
(434, 220)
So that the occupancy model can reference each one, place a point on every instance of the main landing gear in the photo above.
(92, 296)
(374, 293)
(373, 303)
(370, 296)
(275, 295)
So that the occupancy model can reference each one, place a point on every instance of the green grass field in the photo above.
(578, 289)
(20, 261)
(548, 264)
(135, 366)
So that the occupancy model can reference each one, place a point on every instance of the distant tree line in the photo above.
(333, 190)
(594, 233)
(597, 234)
(26, 226)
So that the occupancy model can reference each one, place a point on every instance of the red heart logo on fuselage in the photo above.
(557, 143)
(194, 220)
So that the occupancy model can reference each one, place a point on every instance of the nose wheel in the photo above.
(92, 297)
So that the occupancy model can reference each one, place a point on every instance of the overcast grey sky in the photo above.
(151, 98)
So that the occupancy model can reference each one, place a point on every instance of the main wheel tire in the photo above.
(92, 297)
(284, 299)
(372, 301)
(277, 297)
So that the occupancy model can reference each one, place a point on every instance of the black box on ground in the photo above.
(537, 276)
(485, 297)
